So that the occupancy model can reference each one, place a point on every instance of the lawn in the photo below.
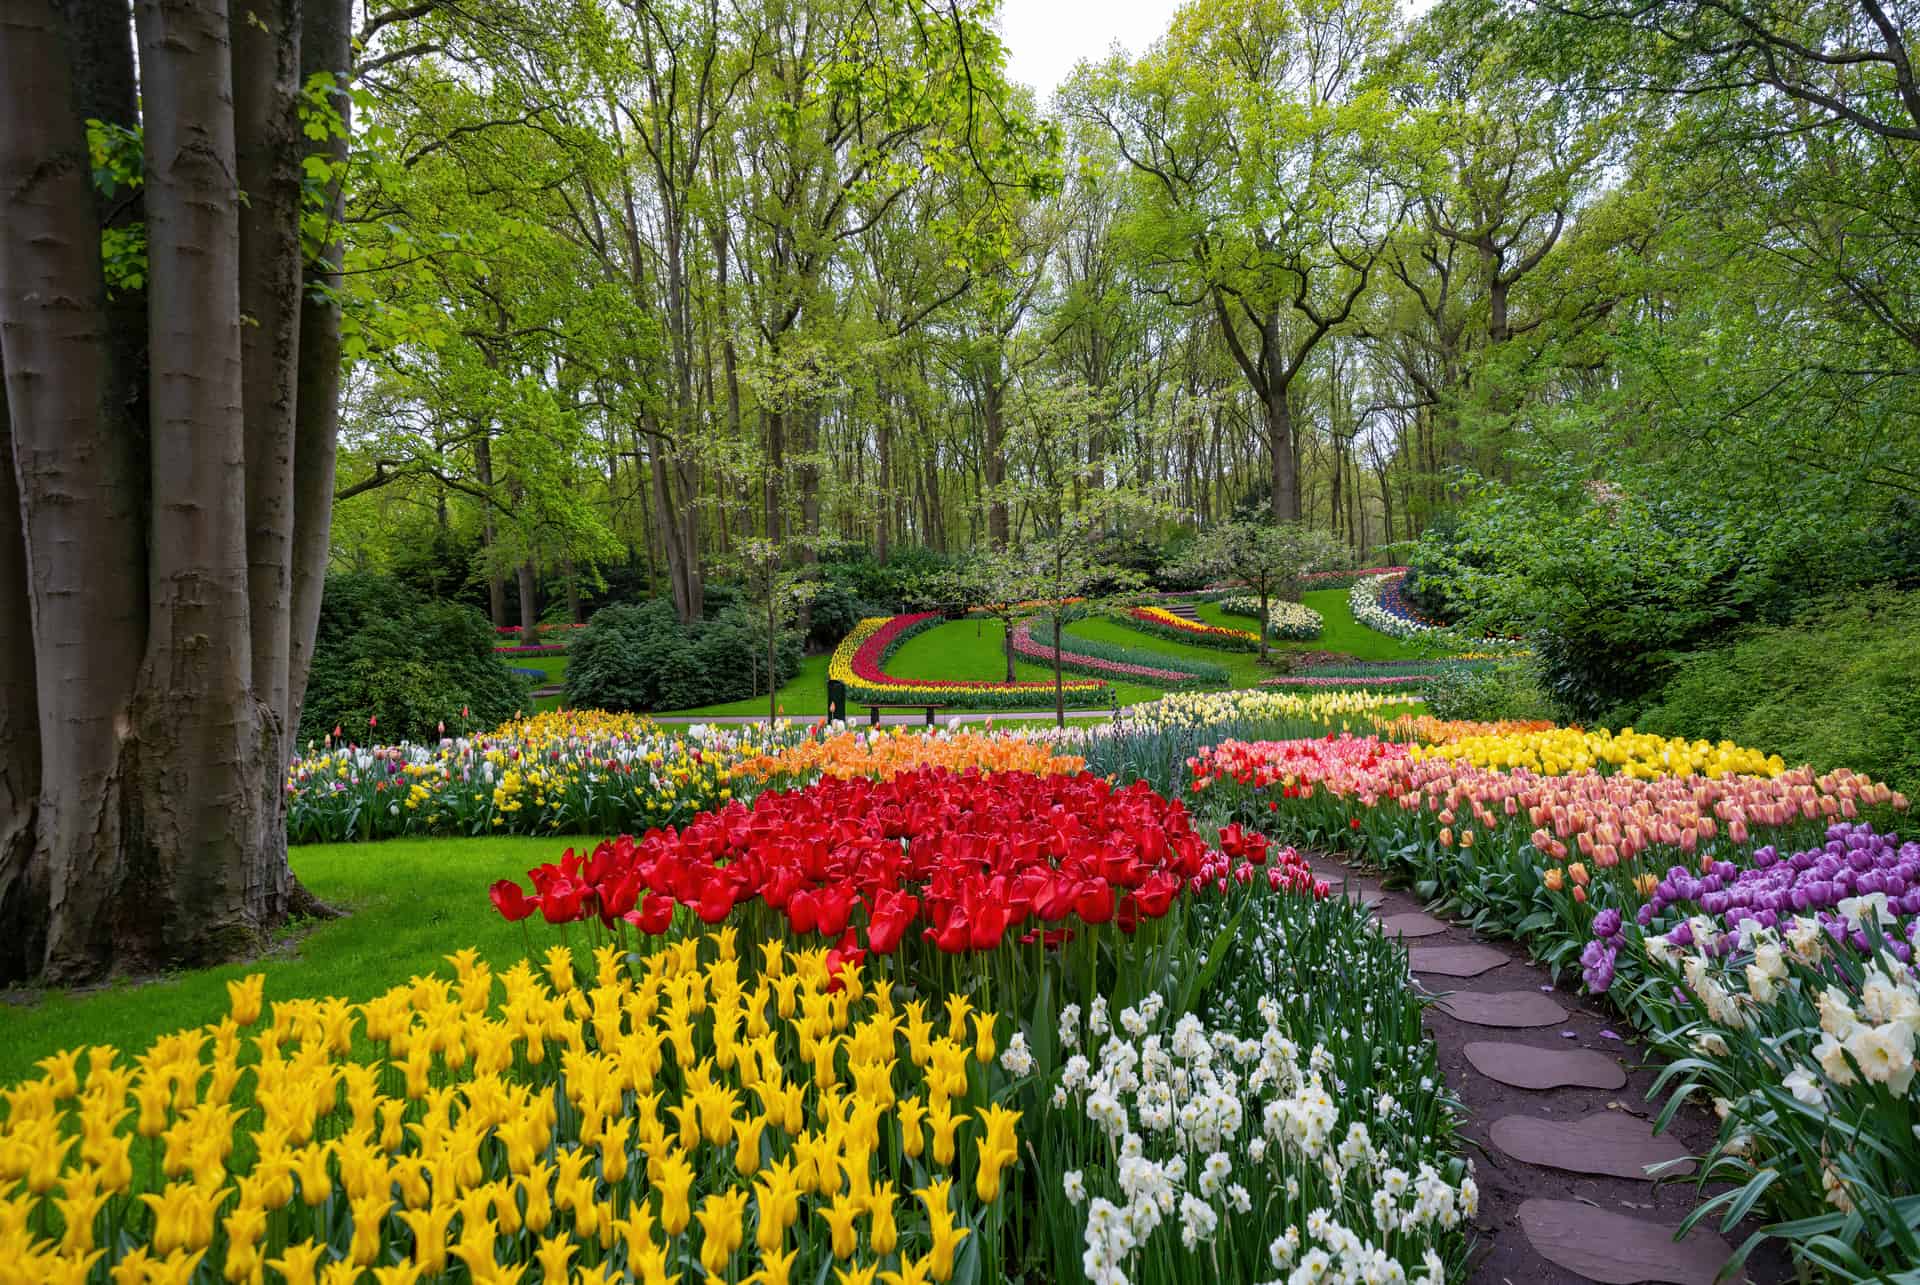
(412, 901)
(971, 649)
(1340, 631)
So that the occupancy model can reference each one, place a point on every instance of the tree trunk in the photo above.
(1278, 412)
(23, 881)
(490, 532)
(75, 448)
(206, 873)
(573, 589)
(529, 605)
(994, 412)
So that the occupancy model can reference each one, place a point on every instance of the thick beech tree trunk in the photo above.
(167, 496)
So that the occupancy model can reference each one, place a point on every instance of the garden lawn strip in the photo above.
(1505, 1255)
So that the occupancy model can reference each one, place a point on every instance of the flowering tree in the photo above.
(1269, 557)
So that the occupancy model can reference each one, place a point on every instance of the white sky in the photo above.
(1045, 38)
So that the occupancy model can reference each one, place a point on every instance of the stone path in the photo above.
(1184, 610)
(1558, 1116)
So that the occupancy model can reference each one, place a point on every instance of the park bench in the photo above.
(873, 711)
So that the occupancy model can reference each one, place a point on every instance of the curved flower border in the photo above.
(860, 659)
(1027, 646)
(1158, 620)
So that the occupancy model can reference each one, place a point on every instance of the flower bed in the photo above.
(1033, 640)
(542, 629)
(547, 1132)
(1158, 620)
(959, 860)
(1285, 619)
(560, 772)
(1366, 681)
(884, 753)
(536, 649)
(1635, 863)
(1367, 600)
(860, 659)
(1345, 579)
(1261, 1139)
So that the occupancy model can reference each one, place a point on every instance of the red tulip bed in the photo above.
(927, 863)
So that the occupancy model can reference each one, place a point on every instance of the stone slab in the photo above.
(1511, 1009)
(1525, 1067)
(1454, 961)
(1617, 1250)
(1411, 924)
(1608, 1144)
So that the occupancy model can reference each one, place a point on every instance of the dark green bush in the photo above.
(640, 657)
(1510, 689)
(833, 613)
(384, 650)
(1835, 689)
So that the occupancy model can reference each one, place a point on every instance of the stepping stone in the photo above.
(1368, 897)
(1411, 924)
(1454, 961)
(1526, 1067)
(1609, 1144)
(1618, 1250)
(1501, 1008)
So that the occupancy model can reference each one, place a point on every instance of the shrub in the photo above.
(1489, 694)
(1834, 689)
(641, 657)
(385, 651)
(833, 612)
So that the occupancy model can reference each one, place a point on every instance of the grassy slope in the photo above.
(970, 649)
(1340, 631)
(413, 901)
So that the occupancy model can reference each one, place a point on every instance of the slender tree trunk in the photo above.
(994, 413)
(490, 532)
(573, 588)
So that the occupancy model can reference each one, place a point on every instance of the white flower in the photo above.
(1805, 1087)
(1075, 1186)
(1070, 1026)
(1885, 1054)
(1831, 1054)
(1711, 1043)
(1017, 1058)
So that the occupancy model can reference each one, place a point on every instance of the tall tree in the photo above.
(172, 465)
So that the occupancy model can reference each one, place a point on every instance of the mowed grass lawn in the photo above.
(970, 650)
(411, 903)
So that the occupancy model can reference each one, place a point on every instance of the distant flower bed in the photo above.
(1345, 579)
(1367, 600)
(538, 649)
(1336, 680)
(539, 629)
(1285, 619)
(1033, 640)
(1158, 620)
(859, 662)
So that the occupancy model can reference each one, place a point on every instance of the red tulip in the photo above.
(512, 904)
(654, 915)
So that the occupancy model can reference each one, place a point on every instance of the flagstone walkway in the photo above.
(1558, 1118)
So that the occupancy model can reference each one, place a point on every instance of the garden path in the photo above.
(1558, 1116)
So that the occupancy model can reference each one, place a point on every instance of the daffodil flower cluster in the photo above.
(561, 772)
(687, 1118)
(1806, 1045)
(1285, 618)
(1201, 1150)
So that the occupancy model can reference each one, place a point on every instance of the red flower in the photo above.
(654, 915)
(892, 912)
(560, 902)
(512, 904)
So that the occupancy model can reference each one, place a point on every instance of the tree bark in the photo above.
(529, 605)
(325, 48)
(23, 880)
(490, 533)
(74, 441)
(209, 864)
(1285, 501)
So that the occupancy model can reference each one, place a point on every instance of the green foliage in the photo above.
(640, 657)
(385, 651)
(1834, 689)
(833, 612)
(1510, 689)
